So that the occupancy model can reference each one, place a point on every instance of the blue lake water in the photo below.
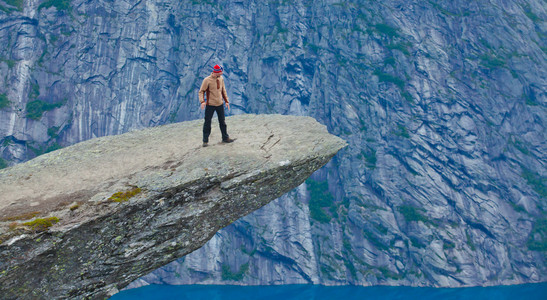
(288, 292)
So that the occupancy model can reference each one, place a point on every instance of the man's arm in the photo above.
(201, 92)
(223, 92)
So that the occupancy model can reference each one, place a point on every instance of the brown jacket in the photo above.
(215, 90)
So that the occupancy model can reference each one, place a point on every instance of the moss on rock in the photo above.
(41, 224)
(124, 196)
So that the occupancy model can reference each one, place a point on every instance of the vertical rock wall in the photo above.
(442, 104)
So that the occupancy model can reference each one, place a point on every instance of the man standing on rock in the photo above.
(213, 86)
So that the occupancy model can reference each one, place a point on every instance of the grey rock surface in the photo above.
(443, 105)
(186, 193)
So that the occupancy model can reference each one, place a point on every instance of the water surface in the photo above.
(292, 292)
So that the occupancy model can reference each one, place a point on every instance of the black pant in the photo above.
(209, 111)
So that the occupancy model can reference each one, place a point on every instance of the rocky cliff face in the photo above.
(85, 221)
(442, 104)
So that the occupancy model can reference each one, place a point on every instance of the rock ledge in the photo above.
(86, 220)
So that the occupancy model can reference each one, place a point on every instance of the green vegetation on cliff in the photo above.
(536, 181)
(385, 77)
(320, 198)
(36, 108)
(411, 213)
(4, 102)
(538, 237)
(237, 276)
(3, 163)
(369, 157)
(387, 30)
(9, 62)
(17, 3)
(59, 4)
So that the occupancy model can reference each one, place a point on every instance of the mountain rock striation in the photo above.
(443, 104)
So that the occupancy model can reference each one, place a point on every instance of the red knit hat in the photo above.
(217, 69)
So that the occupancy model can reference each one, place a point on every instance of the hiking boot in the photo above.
(205, 144)
(228, 140)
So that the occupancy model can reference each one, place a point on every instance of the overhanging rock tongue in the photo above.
(86, 220)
